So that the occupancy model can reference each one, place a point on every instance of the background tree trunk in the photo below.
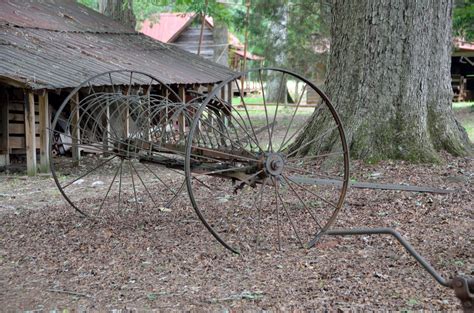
(221, 50)
(275, 90)
(119, 10)
(389, 78)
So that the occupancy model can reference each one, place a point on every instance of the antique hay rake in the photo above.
(139, 142)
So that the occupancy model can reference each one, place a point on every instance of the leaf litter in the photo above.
(164, 259)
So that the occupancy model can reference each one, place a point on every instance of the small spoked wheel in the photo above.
(271, 169)
(107, 151)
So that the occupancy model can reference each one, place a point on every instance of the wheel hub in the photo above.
(274, 164)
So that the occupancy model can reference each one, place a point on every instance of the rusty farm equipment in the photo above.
(244, 167)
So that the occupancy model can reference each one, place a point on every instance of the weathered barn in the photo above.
(183, 30)
(462, 70)
(49, 47)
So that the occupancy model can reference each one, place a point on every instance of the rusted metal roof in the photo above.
(57, 44)
(166, 27)
(59, 15)
(249, 55)
(462, 45)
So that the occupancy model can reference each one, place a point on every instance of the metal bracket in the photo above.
(462, 286)
(464, 290)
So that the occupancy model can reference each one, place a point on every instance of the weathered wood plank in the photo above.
(16, 117)
(181, 117)
(19, 128)
(30, 133)
(20, 142)
(4, 148)
(18, 106)
(44, 124)
(75, 133)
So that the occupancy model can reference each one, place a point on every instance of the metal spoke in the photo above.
(227, 170)
(276, 111)
(277, 212)
(293, 116)
(264, 103)
(236, 142)
(302, 202)
(88, 172)
(311, 192)
(305, 171)
(247, 179)
(108, 190)
(120, 186)
(244, 128)
(303, 159)
(312, 140)
(144, 185)
(249, 119)
(202, 183)
(259, 212)
(97, 120)
(161, 181)
(289, 217)
(133, 185)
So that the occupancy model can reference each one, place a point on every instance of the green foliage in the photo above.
(304, 24)
(93, 4)
(301, 25)
(463, 20)
(145, 8)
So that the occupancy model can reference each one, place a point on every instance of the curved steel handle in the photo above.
(462, 286)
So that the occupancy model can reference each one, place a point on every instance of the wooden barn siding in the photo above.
(16, 126)
(3, 122)
(189, 41)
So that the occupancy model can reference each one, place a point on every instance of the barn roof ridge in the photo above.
(69, 31)
(38, 54)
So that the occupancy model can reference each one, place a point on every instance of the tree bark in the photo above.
(275, 90)
(221, 39)
(389, 79)
(119, 10)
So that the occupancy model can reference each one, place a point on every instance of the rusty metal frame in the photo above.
(463, 286)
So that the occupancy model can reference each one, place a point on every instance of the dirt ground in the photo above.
(52, 258)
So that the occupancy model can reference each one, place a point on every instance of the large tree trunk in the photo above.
(119, 10)
(389, 78)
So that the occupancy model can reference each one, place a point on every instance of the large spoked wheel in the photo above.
(255, 177)
(108, 151)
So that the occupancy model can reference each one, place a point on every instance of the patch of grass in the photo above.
(461, 105)
(464, 112)
(412, 302)
(469, 129)
(248, 100)
(287, 112)
(152, 296)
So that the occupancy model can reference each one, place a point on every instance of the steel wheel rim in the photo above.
(189, 147)
(65, 103)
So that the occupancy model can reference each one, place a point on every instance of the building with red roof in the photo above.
(183, 30)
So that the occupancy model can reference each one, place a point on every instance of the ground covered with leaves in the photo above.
(52, 258)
